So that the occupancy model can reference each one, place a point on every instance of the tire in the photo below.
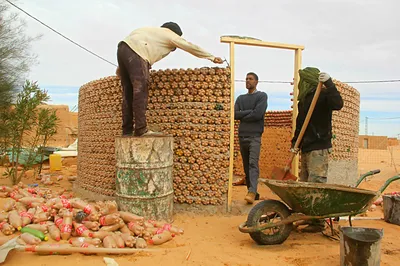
(264, 208)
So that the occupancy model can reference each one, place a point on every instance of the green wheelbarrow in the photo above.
(271, 221)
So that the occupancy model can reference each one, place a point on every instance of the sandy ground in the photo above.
(215, 240)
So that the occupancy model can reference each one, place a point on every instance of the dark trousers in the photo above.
(250, 151)
(134, 73)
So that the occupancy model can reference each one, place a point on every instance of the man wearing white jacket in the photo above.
(136, 54)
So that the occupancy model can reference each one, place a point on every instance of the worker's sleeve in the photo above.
(299, 123)
(239, 114)
(192, 48)
(334, 99)
(259, 110)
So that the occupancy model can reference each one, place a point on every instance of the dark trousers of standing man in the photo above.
(250, 151)
(134, 73)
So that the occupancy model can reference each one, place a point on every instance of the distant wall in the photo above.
(67, 130)
(393, 142)
(276, 140)
(373, 142)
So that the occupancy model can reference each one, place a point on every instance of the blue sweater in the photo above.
(250, 110)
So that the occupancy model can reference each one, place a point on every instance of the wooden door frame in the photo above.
(232, 40)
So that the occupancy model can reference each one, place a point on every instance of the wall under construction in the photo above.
(192, 105)
(275, 143)
(276, 140)
(343, 165)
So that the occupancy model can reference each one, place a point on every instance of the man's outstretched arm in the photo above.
(195, 50)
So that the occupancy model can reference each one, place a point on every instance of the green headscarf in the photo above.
(308, 81)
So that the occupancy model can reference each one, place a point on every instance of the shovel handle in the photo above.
(308, 117)
(289, 162)
(70, 250)
(304, 126)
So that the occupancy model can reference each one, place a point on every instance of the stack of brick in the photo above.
(277, 135)
(99, 122)
(345, 124)
(275, 143)
(191, 105)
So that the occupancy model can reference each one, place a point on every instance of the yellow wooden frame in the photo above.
(232, 40)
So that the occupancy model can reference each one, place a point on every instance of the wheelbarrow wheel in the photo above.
(266, 212)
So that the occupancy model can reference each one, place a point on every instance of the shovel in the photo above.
(64, 249)
(283, 174)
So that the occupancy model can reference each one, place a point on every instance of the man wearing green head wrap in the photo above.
(317, 140)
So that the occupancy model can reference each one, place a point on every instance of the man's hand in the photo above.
(218, 60)
(295, 151)
(323, 77)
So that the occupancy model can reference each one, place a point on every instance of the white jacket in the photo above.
(154, 43)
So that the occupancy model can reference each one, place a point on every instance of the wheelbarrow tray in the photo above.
(315, 199)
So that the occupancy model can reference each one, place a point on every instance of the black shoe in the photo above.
(257, 197)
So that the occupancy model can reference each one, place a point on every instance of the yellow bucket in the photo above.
(55, 162)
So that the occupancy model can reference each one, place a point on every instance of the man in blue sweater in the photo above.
(250, 110)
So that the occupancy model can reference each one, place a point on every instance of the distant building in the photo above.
(373, 142)
(67, 130)
(393, 142)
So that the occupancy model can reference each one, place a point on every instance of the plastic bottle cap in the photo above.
(46, 238)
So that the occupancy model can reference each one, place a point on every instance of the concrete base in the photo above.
(89, 195)
(343, 172)
(199, 209)
(239, 207)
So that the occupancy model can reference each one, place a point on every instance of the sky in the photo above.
(352, 40)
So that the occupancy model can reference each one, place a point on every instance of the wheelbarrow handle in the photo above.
(387, 183)
(362, 177)
(377, 171)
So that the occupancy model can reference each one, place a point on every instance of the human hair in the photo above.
(254, 75)
(172, 26)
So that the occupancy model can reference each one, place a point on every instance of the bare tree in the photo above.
(16, 57)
